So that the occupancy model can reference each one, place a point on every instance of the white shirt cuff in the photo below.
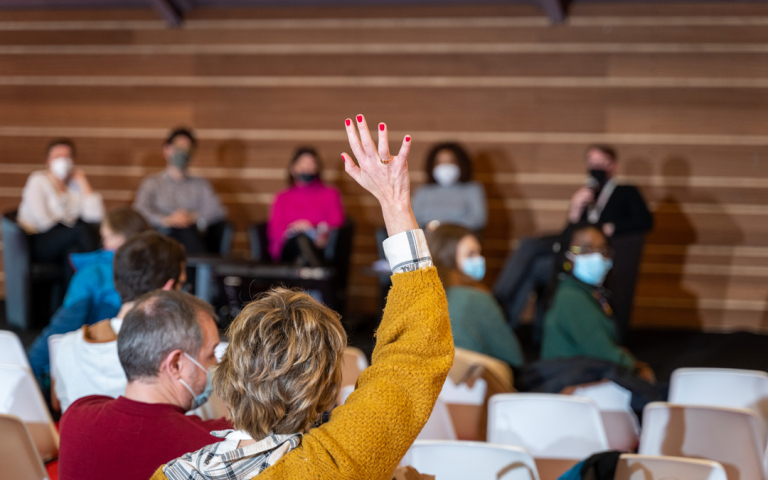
(407, 251)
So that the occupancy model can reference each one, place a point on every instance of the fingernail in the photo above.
(348, 122)
(407, 138)
(342, 155)
(359, 118)
(381, 127)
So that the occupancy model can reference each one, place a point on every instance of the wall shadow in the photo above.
(502, 228)
(678, 229)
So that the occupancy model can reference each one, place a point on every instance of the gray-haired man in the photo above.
(166, 346)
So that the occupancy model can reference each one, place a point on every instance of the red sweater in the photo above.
(120, 439)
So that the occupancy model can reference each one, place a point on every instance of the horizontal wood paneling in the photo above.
(680, 89)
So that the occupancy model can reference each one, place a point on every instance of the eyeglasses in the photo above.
(606, 251)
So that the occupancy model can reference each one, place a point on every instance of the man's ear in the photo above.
(171, 363)
(169, 285)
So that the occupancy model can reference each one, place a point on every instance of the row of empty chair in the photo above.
(715, 414)
(457, 460)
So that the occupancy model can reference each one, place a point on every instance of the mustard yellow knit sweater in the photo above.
(367, 437)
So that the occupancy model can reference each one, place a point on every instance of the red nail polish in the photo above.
(359, 118)
(381, 127)
(348, 122)
(342, 156)
(407, 138)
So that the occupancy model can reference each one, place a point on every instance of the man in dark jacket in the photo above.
(625, 219)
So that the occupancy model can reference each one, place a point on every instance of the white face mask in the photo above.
(61, 167)
(446, 174)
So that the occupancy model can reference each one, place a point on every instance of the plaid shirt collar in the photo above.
(224, 461)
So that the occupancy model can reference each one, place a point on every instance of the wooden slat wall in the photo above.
(682, 91)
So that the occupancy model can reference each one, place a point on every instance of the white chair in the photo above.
(621, 424)
(12, 351)
(642, 467)
(730, 436)
(220, 349)
(439, 426)
(18, 456)
(345, 393)
(20, 396)
(547, 425)
(353, 364)
(448, 460)
(722, 387)
(53, 346)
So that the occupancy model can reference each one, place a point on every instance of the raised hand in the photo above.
(385, 176)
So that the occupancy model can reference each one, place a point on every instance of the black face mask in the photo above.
(600, 175)
(306, 177)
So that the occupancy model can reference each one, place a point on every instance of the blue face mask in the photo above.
(199, 400)
(474, 267)
(591, 268)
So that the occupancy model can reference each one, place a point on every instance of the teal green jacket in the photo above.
(478, 324)
(577, 326)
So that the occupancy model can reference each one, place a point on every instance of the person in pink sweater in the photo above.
(302, 215)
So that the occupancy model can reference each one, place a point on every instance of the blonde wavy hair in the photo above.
(282, 369)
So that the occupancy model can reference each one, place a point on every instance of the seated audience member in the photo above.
(86, 361)
(57, 205)
(579, 323)
(166, 348)
(179, 205)
(91, 295)
(477, 321)
(450, 195)
(302, 216)
(620, 209)
(282, 369)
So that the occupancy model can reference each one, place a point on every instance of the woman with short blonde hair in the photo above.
(281, 370)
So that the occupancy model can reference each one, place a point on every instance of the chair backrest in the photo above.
(12, 351)
(439, 426)
(722, 387)
(53, 347)
(220, 349)
(730, 436)
(18, 455)
(20, 396)
(547, 425)
(352, 365)
(456, 460)
(227, 237)
(501, 372)
(16, 261)
(643, 467)
(257, 237)
(621, 424)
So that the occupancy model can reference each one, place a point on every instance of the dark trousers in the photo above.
(529, 268)
(302, 250)
(196, 242)
(55, 245)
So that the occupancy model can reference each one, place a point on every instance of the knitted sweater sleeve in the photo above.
(367, 437)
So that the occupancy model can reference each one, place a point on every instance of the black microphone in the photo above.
(593, 184)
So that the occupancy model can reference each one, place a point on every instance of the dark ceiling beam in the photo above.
(555, 10)
(170, 13)
(184, 5)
